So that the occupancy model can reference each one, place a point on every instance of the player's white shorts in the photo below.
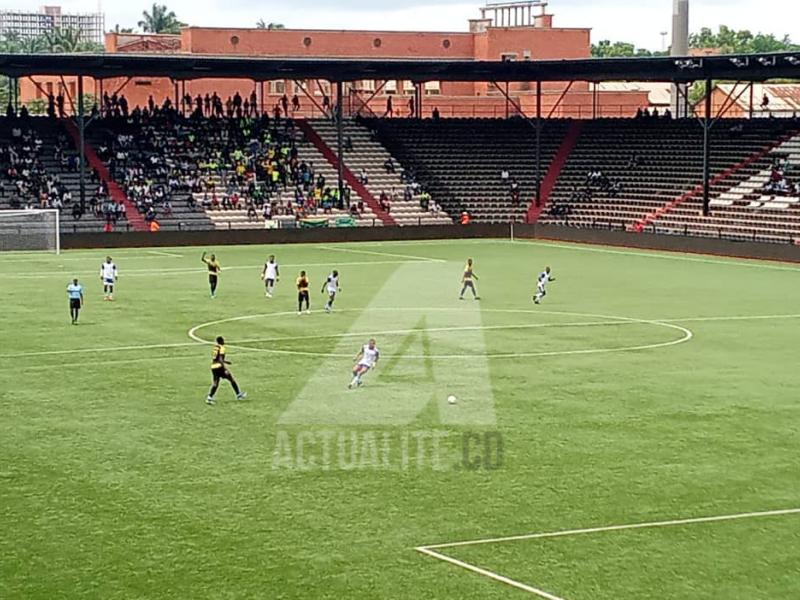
(108, 281)
(540, 288)
(364, 366)
(332, 290)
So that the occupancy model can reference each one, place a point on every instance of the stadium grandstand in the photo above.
(211, 129)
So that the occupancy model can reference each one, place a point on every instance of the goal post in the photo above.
(30, 230)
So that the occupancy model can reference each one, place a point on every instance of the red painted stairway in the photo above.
(114, 190)
(550, 178)
(370, 200)
(648, 219)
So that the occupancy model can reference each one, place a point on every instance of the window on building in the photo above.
(277, 87)
(408, 86)
(508, 56)
(433, 88)
(368, 85)
(390, 87)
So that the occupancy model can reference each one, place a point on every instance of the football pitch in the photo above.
(634, 436)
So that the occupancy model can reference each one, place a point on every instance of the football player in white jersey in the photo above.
(108, 275)
(366, 359)
(331, 286)
(270, 274)
(541, 285)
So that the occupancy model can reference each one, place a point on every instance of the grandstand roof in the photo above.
(736, 68)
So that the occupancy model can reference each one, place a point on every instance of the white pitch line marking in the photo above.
(101, 363)
(587, 247)
(162, 253)
(629, 526)
(201, 270)
(490, 574)
(420, 258)
(732, 262)
(687, 335)
(324, 336)
(107, 349)
(430, 550)
(197, 341)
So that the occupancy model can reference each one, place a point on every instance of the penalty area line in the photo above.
(487, 573)
(432, 550)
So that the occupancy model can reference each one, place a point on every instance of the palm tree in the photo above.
(260, 24)
(67, 41)
(118, 29)
(160, 20)
(31, 45)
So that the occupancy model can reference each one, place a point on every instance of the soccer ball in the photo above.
(451, 399)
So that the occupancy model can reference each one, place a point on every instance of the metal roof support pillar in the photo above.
(183, 98)
(538, 143)
(752, 100)
(340, 139)
(707, 123)
(81, 144)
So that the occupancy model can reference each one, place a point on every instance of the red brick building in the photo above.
(514, 31)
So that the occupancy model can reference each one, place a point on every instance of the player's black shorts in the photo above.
(212, 278)
(74, 302)
(302, 296)
(468, 284)
(218, 374)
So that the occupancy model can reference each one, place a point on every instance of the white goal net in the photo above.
(30, 230)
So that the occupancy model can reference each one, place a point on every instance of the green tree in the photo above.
(607, 49)
(731, 41)
(275, 26)
(68, 41)
(37, 106)
(118, 29)
(160, 20)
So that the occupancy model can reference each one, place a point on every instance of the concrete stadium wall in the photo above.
(644, 241)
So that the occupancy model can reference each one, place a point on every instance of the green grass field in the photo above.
(647, 387)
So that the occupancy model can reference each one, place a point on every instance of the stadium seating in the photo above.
(460, 160)
(656, 162)
(190, 142)
(51, 134)
(367, 155)
(745, 211)
(647, 171)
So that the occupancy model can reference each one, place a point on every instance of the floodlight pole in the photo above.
(81, 144)
(340, 139)
(707, 123)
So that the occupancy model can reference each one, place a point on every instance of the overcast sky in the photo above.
(637, 21)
